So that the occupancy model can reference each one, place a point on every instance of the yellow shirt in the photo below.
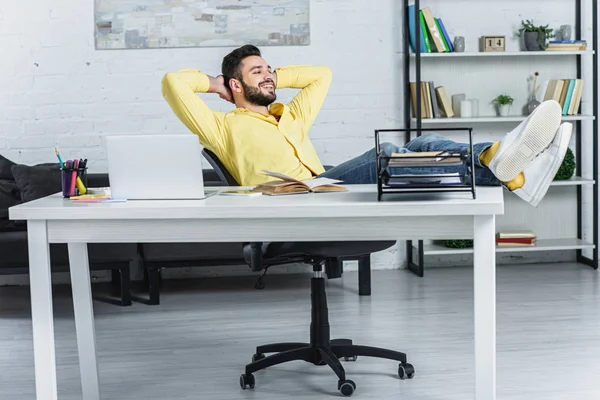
(247, 142)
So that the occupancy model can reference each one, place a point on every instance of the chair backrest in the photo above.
(219, 168)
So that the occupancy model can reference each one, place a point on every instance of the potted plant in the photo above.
(504, 102)
(535, 36)
(567, 168)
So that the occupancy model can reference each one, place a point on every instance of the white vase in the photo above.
(504, 110)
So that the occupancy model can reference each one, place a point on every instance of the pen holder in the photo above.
(72, 180)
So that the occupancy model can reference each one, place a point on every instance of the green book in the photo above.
(443, 37)
(425, 33)
(569, 96)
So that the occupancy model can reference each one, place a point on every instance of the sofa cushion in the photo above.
(13, 251)
(5, 166)
(97, 180)
(192, 251)
(37, 181)
(9, 196)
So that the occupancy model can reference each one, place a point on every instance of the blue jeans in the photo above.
(363, 169)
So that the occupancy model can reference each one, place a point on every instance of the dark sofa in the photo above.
(116, 257)
(119, 258)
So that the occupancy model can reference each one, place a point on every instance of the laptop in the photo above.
(155, 167)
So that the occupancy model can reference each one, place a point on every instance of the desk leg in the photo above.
(485, 307)
(84, 320)
(42, 316)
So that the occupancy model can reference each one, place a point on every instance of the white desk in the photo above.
(354, 215)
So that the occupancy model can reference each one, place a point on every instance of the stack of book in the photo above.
(567, 92)
(433, 35)
(435, 102)
(566, 45)
(516, 238)
(396, 174)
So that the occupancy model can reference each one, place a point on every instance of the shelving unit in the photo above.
(418, 250)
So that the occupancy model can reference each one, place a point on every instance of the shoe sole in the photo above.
(537, 135)
(537, 197)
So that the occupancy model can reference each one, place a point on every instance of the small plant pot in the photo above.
(504, 110)
(533, 42)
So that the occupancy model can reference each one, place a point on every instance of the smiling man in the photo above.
(261, 134)
(258, 134)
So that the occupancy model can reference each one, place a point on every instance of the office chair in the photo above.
(321, 350)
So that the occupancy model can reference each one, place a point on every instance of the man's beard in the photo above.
(255, 96)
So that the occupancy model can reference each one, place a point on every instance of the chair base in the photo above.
(321, 350)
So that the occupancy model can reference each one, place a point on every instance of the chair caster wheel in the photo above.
(247, 381)
(347, 387)
(350, 358)
(257, 357)
(406, 371)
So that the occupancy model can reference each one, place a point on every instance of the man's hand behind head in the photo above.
(217, 85)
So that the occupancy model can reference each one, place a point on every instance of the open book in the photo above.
(289, 185)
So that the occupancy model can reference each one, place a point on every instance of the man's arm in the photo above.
(314, 82)
(179, 90)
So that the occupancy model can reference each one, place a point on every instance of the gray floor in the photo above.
(195, 344)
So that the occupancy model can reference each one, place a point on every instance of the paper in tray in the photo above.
(445, 179)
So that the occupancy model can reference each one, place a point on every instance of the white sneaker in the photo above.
(519, 147)
(541, 172)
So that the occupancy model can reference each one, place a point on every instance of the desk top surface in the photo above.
(359, 201)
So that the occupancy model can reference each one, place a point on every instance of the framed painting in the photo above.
(147, 24)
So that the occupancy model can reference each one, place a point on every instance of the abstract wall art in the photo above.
(147, 24)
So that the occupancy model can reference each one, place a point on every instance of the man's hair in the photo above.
(232, 63)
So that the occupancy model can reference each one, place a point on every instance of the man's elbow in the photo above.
(167, 82)
(326, 73)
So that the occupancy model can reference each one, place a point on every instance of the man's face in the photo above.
(257, 82)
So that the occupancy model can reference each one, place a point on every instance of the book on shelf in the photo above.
(566, 45)
(444, 102)
(515, 234)
(434, 32)
(288, 185)
(433, 35)
(567, 92)
(427, 96)
(516, 243)
(435, 102)
(516, 238)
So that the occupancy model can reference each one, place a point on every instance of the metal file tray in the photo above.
(393, 177)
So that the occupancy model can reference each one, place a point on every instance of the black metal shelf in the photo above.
(415, 58)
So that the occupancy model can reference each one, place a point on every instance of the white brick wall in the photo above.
(57, 90)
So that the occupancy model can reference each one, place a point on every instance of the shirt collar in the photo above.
(278, 110)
